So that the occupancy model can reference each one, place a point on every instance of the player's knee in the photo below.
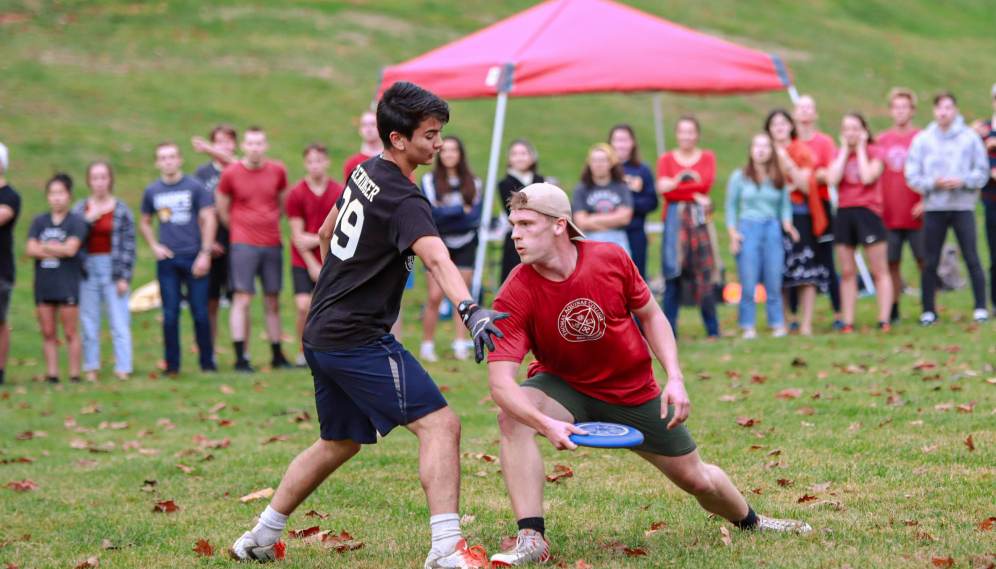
(303, 302)
(346, 447)
(696, 481)
(440, 424)
(848, 273)
(509, 426)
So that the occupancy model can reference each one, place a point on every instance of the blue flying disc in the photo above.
(607, 435)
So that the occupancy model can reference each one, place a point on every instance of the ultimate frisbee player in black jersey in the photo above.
(365, 382)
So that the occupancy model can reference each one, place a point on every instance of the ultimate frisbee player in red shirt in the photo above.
(571, 304)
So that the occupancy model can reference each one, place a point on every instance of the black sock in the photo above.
(278, 354)
(2, 372)
(535, 524)
(53, 379)
(75, 379)
(749, 522)
(240, 351)
(895, 311)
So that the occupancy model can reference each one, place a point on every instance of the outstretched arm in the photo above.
(513, 400)
(660, 338)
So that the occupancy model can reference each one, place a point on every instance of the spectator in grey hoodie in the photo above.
(947, 163)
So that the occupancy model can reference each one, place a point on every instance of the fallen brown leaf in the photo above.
(581, 564)
(275, 439)
(806, 411)
(203, 548)
(227, 390)
(561, 472)
(639, 551)
(970, 443)
(314, 514)
(943, 561)
(185, 468)
(725, 537)
(986, 524)
(747, 422)
(265, 493)
(784, 482)
(165, 507)
(805, 498)
(654, 528)
(789, 393)
(303, 533)
(90, 562)
(25, 485)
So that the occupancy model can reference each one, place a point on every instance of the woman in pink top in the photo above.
(856, 170)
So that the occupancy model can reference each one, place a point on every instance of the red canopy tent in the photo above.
(561, 47)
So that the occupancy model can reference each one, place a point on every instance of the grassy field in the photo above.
(81, 80)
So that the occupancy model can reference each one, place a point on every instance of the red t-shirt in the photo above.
(852, 193)
(702, 174)
(898, 198)
(823, 148)
(99, 240)
(352, 162)
(581, 329)
(303, 203)
(255, 194)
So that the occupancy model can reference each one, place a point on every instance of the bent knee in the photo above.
(348, 446)
(508, 425)
(696, 482)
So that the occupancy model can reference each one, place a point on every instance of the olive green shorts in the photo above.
(645, 417)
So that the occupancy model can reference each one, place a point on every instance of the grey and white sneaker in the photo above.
(301, 362)
(765, 523)
(530, 547)
(461, 350)
(749, 334)
(246, 549)
(427, 352)
(980, 315)
(928, 319)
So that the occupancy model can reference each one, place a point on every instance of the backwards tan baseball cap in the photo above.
(550, 200)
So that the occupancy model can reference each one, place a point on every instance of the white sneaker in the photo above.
(245, 549)
(779, 332)
(928, 319)
(765, 523)
(427, 353)
(980, 315)
(463, 557)
(530, 547)
(461, 350)
(750, 334)
(301, 361)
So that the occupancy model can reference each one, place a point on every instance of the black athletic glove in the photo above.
(480, 322)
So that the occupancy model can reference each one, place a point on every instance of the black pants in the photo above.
(935, 232)
(991, 239)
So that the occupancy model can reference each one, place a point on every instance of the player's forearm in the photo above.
(209, 228)
(145, 228)
(310, 260)
(326, 230)
(223, 205)
(449, 279)
(661, 340)
(513, 400)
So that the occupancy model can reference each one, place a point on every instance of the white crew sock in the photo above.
(428, 346)
(445, 532)
(271, 525)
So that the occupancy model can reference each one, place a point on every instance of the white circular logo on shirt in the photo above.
(582, 321)
(410, 262)
(895, 157)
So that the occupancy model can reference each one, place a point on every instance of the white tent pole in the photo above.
(659, 124)
(793, 94)
(489, 193)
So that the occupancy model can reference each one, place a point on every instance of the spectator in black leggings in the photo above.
(947, 163)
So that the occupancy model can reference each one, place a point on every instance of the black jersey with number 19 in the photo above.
(358, 295)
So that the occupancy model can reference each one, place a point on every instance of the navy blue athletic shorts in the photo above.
(370, 389)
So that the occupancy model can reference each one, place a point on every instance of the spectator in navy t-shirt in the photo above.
(187, 224)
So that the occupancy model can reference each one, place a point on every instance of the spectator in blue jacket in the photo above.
(455, 195)
(640, 181)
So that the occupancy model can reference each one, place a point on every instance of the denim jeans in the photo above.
(97, 290)
(935, 233)
(672, 302)
(761, 259)
(172, 274)
(669, 243)
(990, 207)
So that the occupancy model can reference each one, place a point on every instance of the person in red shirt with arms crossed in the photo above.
(308, 204)
(572, 304)
(250, 200)
(903, 211)
(371, 146)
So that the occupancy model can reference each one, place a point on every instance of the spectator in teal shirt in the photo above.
(757, 211)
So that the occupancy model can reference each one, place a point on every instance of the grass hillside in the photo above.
(81, 80)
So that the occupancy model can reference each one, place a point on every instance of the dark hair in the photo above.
(105, 164)
(772, 169)
(530, 148)
(468, 188)
(61, 178)
(941, 95)
(317, 147)
(864, 124)
(253, 129)
(688, 118)
(404, 107)
(771, 117)
(589, 181)
(226, 129)
(634, 155)
(166, 143)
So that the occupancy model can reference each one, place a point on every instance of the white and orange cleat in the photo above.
(463, 557)
(530, 547)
